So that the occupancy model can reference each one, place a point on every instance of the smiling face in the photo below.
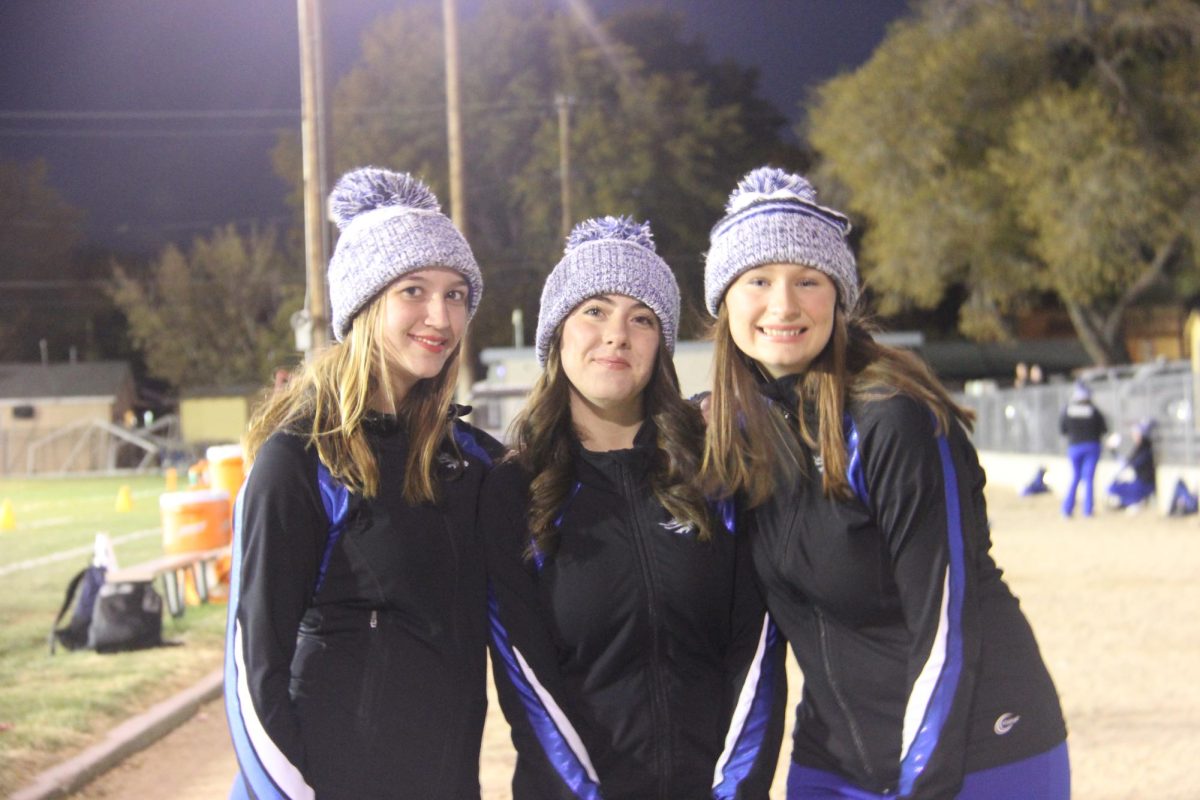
(424, 316)
(608, 349)
(781, 315)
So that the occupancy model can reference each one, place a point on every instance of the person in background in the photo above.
(355, 660)
(922, 678)
(633, 656)
(1084, 426)
(1143, 482)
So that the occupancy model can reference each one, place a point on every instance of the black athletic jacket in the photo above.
(636, 661)
(356, 644)
(918, 663)
(1082, 422)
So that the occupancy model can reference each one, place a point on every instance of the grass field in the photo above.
(53, 706)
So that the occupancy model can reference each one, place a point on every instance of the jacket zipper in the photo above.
(855, 733)
(658, 699)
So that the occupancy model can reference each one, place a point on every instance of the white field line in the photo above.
(21, 508)
(63, 555)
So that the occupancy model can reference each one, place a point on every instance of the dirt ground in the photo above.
(1115, 602)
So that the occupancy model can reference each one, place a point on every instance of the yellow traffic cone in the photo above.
(172, 479)
(124, 499)
(8, 520)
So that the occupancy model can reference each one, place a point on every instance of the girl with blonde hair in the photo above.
(355, 654)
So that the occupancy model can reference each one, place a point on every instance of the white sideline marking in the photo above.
(63, 555)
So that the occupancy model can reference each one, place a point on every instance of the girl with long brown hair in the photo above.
(356, 645)
(633, 657)
(922, 678)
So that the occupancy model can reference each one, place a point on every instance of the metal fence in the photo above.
(1025, 419)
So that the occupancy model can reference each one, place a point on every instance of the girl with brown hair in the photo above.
(922, 678)
(632, 654)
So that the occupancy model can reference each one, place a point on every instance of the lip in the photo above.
(433, 344)
(612, 363)
(785, 333)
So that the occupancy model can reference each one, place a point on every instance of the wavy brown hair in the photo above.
(749, 449)
(543, 434)
(328, 402)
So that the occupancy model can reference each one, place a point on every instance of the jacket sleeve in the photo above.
(553, 762)
(755, 666)
(280, 528)
(925, 492)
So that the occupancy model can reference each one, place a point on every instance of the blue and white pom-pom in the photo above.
(620, 228)
(370, 188)
(769, 183)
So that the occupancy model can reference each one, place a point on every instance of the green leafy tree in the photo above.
(1016, 148)
(216, 314)
(39, 232)
(657, 130)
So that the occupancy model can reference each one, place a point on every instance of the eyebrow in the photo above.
(423, 279)
(605, 299)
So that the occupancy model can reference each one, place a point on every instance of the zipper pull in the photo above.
(374, 618)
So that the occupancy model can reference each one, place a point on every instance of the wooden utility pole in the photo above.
(563, 102)
(312, 138)
(458, 199)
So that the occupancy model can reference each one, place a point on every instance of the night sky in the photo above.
(83, 84)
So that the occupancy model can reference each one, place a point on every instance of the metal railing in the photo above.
(1025, 419)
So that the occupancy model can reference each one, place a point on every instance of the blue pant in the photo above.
(1041, 777)
(1083, 457)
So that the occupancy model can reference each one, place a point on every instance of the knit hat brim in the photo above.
(387, 244)
(608, 266)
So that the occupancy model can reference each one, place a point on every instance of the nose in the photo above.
(616, 331)
(436, 313)
(783, 301)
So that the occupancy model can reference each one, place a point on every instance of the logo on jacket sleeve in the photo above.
(1005, 723)
(675, 526)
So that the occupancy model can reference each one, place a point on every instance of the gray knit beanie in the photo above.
(772, 217)
(608, 255)
(391, 224)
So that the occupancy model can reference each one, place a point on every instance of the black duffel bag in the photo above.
(110, 617)
(127, 616)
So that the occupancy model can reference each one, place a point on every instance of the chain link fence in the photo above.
(1025, 419)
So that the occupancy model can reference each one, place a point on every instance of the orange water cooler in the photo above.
(193, 522)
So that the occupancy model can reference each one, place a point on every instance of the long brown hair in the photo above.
(749, 449)
(543, 433)
(328, 401)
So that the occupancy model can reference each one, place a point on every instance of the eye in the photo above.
(646, 320)
(758, 282)
(457, 295)
(410, 290)
(592, 311)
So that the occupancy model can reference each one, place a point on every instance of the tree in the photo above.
(216, 315)
(38, 235)
(1018, 148)
(657, 131)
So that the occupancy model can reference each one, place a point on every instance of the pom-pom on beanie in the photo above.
(608, 255)
(772, 217)
(391, 224)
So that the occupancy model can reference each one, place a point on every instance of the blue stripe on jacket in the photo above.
(575, 774)
(938, 709)
(263, 774)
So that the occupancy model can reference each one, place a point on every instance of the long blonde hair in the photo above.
(543, 432)
(328, 401)
(749, 449)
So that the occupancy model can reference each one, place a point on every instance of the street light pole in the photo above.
(563, 102)
(458, 199)
(312, 138)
